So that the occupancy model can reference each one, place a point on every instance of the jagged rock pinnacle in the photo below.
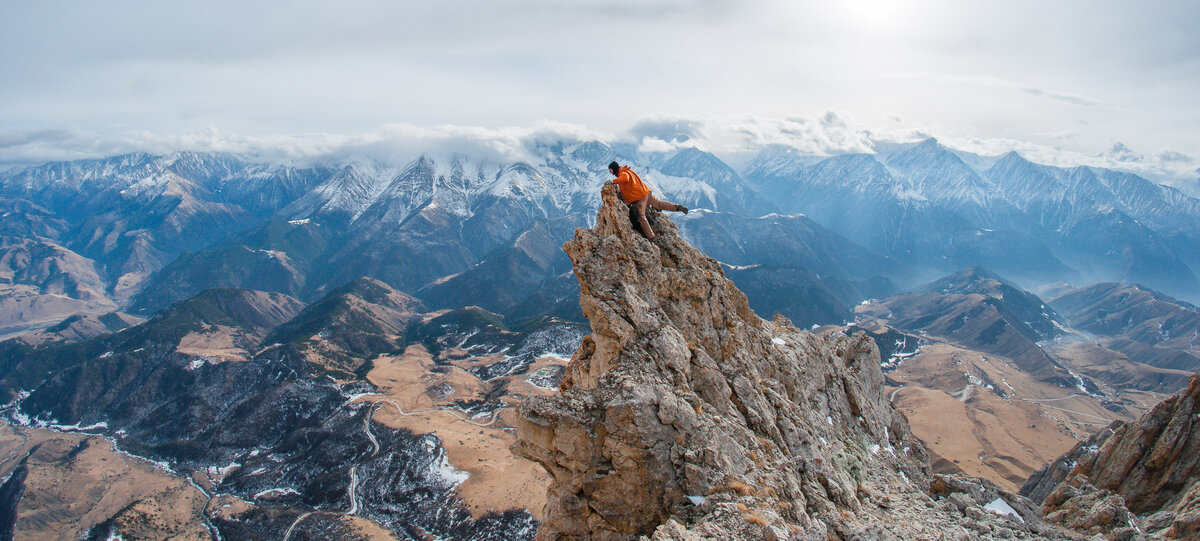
(686, 416)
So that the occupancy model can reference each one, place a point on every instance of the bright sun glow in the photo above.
(877, 16)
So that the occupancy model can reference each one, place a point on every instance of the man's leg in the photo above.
(663, 205)
(640, 205)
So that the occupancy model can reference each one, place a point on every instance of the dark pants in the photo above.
(649, 201)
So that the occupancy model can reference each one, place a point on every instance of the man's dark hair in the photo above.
(614, 167)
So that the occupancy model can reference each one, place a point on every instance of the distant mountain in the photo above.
(228, 307)
(460, 231)
(1042, 320)
(134, 214)
(159, 229)
(732, 193)
(408, 226)
(240, 317)
(49, 268)
(80, 327)
(791, 265)
(982, 312)
(929, 207)
(42, 282)
(862, 199)
(793, 292)
(948, 181)
(979, 323)
(510, 275)
(1147, 326)
(277, 256)
(1105, 233)
(25, 219)
(781, 240)
(351, 325)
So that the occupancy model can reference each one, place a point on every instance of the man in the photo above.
(637, 195)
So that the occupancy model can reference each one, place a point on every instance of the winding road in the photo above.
(495, 413)
(1056, 399)
(293, 526)
(353, 490)
(1106, 421)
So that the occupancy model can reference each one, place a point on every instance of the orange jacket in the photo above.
(632, 187)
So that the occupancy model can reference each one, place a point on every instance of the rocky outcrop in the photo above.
(686, 416)
(1146, 468)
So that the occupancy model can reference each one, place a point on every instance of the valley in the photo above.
(417, 395)
(998, 382)
(64, 485)
(267, 430)
(981, 415)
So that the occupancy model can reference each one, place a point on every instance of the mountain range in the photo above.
(140, 231)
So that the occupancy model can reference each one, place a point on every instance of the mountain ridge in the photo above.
(163, 226)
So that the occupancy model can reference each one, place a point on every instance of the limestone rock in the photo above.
(686, 416)
(1078, 505)
(1185, 523)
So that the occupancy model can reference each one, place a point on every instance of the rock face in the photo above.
(1147, 467)
(685, 416)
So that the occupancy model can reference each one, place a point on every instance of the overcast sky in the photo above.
(1111, 82)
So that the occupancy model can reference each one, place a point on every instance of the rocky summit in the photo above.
(686, 416)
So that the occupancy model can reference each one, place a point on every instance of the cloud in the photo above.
(734, 138)
(654, 145)
(393, 143)
(1064, 135)
(638, 9)
(822, 135)
(670, 129)
(1122, 154)
(825, 134)
(1063, 97)
(1170, 156)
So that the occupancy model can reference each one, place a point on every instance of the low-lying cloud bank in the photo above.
(733, 138)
